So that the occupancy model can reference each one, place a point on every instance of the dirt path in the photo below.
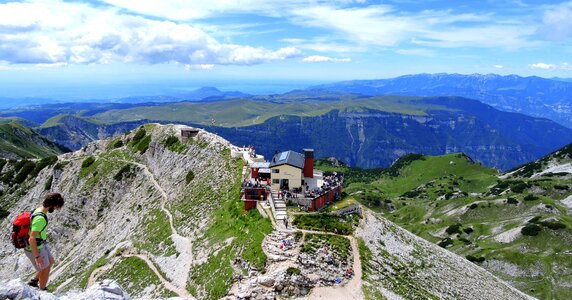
(166, 284)
(183, 245)
(97, 272)
(181, 292)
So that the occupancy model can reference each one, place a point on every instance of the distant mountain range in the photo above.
(534, 96)
(345, 120)
(372, 138)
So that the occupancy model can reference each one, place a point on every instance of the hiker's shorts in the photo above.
(46, 255)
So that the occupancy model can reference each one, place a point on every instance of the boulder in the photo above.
(16, 289)
(266, 281)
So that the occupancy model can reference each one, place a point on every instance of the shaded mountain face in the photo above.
(18, 142)
(533, 96)
(371, 138)
(76, 132)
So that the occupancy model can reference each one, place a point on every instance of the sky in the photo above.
(112, 48)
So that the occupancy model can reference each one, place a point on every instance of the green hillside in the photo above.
(17, 141)
(518, 228)
(243, 112)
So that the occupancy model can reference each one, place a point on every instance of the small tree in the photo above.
(531, 230)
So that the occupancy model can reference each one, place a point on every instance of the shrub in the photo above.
(3, 213)
(173, 144)
(26, 169)
(411, 194)
(468, 230)
(534, 220)
(530, 197)
(531, 230)
(554, 225)
(511, 200)
(125, 172)
(140, 134)
(293, 271)
(117, 144)
(560, 187)
(87, 162)
(454, 229)
(473, 206)
(446, 242)
(60, 165)
(464, 240)
(298, 236)
(42, 163)
(475, 259)
(3, 162)
(48, 184)
(519, 187)
(190, 176)
(170, 141)
(143, 145)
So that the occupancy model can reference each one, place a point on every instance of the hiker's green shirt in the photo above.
(39, 225)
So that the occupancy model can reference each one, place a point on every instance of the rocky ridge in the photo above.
(399, 265)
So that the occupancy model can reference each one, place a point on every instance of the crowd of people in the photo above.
(330, 182)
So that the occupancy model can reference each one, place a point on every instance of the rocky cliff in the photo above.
(145, 209)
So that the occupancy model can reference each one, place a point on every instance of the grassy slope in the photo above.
(15, 138)
(442, 188)
(56, 120)
(243, 112)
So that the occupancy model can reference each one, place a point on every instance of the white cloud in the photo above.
(188, 10)
(416, 52)
(320, 58)
(57, 32)
(557, 22)
(381, 25)
(199, 67)
(543, 66)
(499, 66)
(51, 66)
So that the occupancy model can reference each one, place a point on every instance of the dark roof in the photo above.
(292, 158)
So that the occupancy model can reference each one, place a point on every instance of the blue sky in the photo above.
(57, 44)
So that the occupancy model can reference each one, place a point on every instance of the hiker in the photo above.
(38, 250)
(286, 222)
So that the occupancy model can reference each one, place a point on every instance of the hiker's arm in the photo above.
(33, 244)
(35, 251)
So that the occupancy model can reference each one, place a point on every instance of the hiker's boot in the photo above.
(33, 282)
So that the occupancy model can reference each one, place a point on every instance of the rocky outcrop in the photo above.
(105, 290)
(400, 265)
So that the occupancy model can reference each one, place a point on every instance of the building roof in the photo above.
(291, 158)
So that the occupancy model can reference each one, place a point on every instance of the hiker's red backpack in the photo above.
(21, 228)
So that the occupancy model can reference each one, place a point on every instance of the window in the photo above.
(276, 181)
(275, 171)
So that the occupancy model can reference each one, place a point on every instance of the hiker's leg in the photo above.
(48, 259)
(44, 275)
